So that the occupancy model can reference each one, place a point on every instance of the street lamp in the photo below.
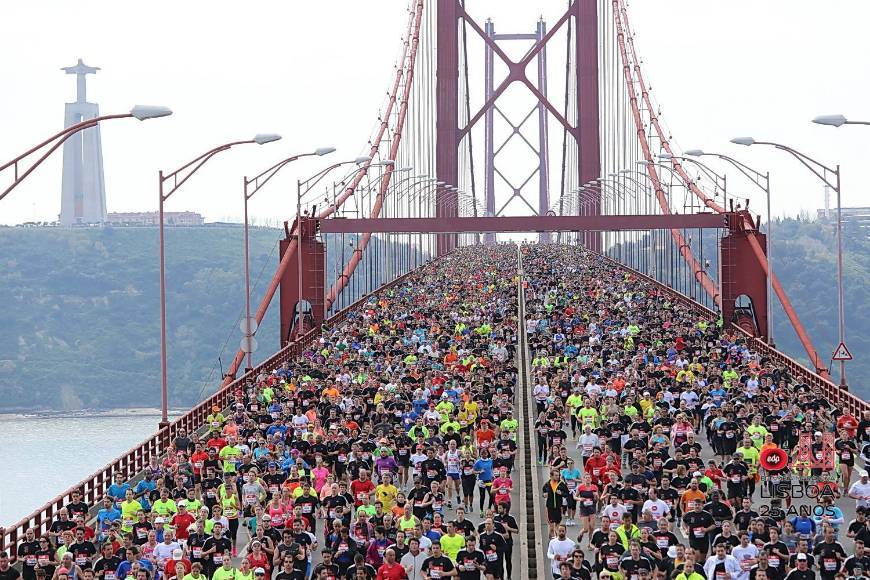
(716, 177)
(249, 188)
(824, 173)
(140, 112)
(179, 177)
(837, 121)
(762, 181)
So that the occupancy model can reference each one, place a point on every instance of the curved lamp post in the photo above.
(140, 112)
(179, 177)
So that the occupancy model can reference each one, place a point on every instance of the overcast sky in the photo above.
(316, 73)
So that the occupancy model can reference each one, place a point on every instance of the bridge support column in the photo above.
(743, 282)
(447, 117)
(306, 272)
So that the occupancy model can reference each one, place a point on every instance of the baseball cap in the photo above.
(818, 434)
(259, 571)
(697, 474)
(177, 554)
(863, 473)
(159, 520)
(801, 556)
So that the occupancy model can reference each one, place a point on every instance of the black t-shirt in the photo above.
(332, 571)
(742, 519)
(632, 567)
(467, 564)
(697, 522)
(730, 541)
(465, 527)
(432, 564)
(801, 575)
(487, 542)
(664, 540)
(58, 527)
(831, 556)
(222, 544)
(10, 574)
(610, 554)
(27, 553)
(772, 573)
(81, 550)
(109, 564)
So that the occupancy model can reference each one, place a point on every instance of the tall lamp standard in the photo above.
(250, 187)
(140, 112)
(824, 173)
(762, 181)
(178, 178)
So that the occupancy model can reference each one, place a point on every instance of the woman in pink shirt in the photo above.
(502, 486)
(320, 473)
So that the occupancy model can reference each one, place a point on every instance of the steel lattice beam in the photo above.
(548, 223)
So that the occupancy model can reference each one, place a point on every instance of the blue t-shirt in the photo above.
(484, 466)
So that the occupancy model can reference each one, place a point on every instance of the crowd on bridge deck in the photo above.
(676, 450)
(386, 450)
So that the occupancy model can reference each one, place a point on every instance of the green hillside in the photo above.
(805, 260)
(80, 324)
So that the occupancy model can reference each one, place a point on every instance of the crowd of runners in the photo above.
(387, 450)
(671, 449)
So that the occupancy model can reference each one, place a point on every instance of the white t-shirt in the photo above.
(746, 557)
(658, 508)
(163, 551)
(861, 490)
(558, 551)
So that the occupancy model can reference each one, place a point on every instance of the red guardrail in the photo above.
(135, 460)
(846, 400)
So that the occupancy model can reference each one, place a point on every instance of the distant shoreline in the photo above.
(88, 413)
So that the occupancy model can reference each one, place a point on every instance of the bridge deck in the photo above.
(474, 320)
(557, 277)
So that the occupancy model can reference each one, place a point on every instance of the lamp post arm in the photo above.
(60, 138)
(268, 174)
(808, 162)
(191, 167)
(750, 173)
(703, 167)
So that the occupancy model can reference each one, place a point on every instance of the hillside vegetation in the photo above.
(80, 325)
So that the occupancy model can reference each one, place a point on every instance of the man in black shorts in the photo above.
(555, 491)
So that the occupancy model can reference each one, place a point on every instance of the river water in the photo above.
(44, 456)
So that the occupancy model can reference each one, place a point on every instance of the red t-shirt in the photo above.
(181, 524)
(361, 488)
(393, 571)
(171, 563)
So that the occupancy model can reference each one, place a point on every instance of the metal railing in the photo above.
(135, 460)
